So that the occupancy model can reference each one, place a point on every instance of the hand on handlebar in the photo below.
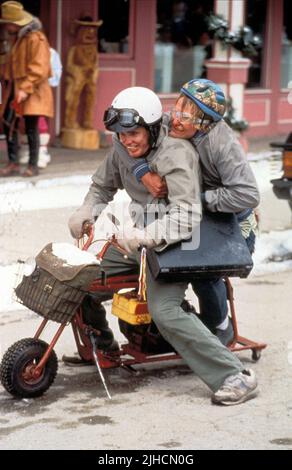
(87, 228)
(133, 239)
(80, 222)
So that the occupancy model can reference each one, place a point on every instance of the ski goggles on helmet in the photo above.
(124, 117)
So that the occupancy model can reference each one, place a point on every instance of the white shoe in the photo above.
(236, 389)
(24, 155)
(44, 139)
(44, 157)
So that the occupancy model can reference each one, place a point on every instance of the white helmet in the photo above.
(132, 108)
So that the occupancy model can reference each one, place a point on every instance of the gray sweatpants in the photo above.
(202, 351)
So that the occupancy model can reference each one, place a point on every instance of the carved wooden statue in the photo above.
(81, 77)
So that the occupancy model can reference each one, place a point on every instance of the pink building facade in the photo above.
(137, 47)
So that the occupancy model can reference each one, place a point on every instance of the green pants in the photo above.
(202, 351)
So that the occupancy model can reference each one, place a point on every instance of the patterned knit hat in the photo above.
(207, 95)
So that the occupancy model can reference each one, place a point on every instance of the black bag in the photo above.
(54, 290)
(222, 251)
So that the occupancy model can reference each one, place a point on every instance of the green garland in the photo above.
(243, 39)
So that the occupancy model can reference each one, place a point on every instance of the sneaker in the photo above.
(105, 340)
(106, 345)
(226, 336)
(44, 157)
(236, 389)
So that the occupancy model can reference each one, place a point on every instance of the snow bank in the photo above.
(54, 193)
(38, 197)
(9, 278)
(267, 155)
(266, 169)
(273, 252)
(69, 191)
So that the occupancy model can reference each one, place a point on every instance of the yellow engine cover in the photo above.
(287, 164)
(130, 309)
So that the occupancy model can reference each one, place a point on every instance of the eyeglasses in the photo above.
(125, 117)
(187, 118)
(184, 118)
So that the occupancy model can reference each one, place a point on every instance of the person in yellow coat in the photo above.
(27, 91)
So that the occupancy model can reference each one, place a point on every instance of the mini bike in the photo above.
(29, 366)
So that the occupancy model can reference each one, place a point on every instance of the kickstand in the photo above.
(93, 343)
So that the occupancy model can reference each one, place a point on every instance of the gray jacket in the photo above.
(228, 183)
(174, 159)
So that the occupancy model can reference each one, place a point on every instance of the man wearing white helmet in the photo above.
(135, 117)
(228, 184)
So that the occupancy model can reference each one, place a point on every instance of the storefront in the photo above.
(163, 43)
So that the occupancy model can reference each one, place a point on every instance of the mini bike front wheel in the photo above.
(18, 364)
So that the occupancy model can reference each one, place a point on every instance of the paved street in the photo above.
(165, 406)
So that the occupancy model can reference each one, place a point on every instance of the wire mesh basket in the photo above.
(49, 297)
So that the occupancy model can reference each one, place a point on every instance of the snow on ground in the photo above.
(273, 252)
(44, 194)
(266, 155)
(9, 278)
(20, 196)
(266, 166)
(69, 191)
(72, 256)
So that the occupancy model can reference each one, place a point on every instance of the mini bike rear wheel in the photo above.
(18, 364)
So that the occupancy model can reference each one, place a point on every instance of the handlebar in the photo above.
(88, 230)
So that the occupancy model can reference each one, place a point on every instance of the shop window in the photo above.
(256, 13)
(114, 33)
(182, 42)
(286, 55)
(32, 6)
